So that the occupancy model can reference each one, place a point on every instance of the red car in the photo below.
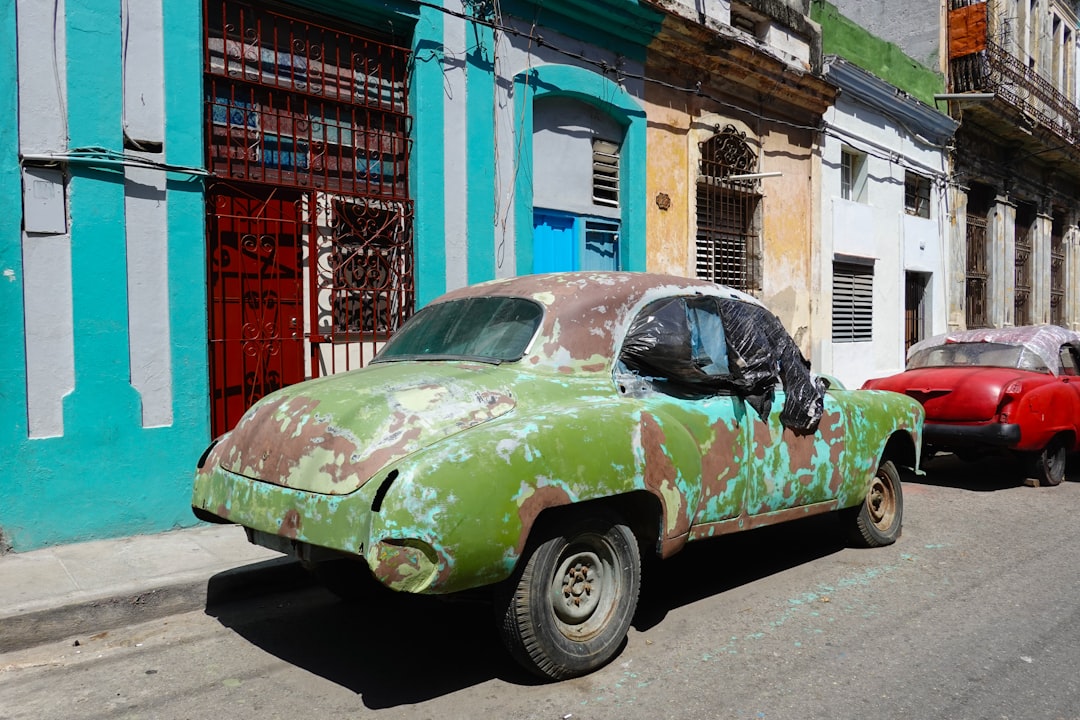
(1014, 388)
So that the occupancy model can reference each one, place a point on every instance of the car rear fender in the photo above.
(471, 501)
(1043, 412)
(880, 425)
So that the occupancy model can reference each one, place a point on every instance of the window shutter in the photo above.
(605, 173)
(853, 304)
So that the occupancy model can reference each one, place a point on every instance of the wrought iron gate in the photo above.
(309, 217)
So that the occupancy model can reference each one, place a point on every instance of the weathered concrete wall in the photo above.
(877, 52)
(914, 26)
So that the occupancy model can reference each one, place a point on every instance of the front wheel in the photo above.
(877, 521)
(573, 602)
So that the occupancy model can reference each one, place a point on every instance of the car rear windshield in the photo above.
(489, 329)
(978, 354)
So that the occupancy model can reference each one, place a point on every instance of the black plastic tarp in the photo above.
(680, 343)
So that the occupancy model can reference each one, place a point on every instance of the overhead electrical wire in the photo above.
(605, 67)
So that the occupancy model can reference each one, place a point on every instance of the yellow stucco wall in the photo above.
(789, 212)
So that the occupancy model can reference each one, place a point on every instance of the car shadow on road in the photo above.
(984, 474)
(705, 569)
(398, 649)
(391, 649)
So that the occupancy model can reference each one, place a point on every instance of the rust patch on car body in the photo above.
(662, 476)
(540, 499)
(290, 524)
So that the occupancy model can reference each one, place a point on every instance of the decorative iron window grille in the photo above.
(917, 194)
(605, 175)
(852, 302)
(292, 103)
(1057, 274)
(976, 273)
(363, 268)
(727, 242)
(321, 112)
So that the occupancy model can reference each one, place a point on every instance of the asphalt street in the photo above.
(974, 613)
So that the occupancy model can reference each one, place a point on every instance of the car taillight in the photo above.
(1010, 393)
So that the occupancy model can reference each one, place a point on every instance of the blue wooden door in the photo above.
(554, 243)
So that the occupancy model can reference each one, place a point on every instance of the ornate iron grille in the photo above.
(727, 241)
(976, 277)
(1022, 272)
(362, 272)
(994, 69)
(1057, 275)
(256, 309)
(292, 103)
(296, 108)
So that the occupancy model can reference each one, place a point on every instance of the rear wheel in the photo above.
(879, 518)
(1050, 463)
(572, 604)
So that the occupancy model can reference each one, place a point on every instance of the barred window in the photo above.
(853, 301)
(727, 240)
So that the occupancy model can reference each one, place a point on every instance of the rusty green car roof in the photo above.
(587, 313)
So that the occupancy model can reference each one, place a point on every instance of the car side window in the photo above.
(708, 342)
(678, 344)
(1069, 362)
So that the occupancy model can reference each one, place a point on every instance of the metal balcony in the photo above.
(1037, 101)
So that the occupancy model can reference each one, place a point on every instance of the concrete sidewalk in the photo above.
(71, 590)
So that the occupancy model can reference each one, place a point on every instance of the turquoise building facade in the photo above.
(137, 123)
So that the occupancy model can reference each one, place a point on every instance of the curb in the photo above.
(86, 617)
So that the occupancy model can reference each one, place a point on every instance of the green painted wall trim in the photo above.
(184, 143)
(392, 17)
(13, 358)
(107, 476)
(427, 171)
(840, 36)
(480, 114)
(625, 27)
(601, 92)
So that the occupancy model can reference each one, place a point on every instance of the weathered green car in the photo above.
(539, 434)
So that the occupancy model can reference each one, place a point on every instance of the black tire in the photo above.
(1050, 463)
(879, 518)
(572, 603)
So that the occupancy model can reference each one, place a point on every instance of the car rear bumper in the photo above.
(995, 435)
(297, 516)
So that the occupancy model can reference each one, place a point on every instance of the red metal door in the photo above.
(256, 298)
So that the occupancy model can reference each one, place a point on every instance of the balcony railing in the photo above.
(995, 70)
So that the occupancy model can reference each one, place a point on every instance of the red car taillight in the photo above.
(1008, 395)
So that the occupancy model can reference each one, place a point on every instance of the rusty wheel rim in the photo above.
(881, 502)
(584, 587)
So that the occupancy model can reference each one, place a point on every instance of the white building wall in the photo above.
(878, 231)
